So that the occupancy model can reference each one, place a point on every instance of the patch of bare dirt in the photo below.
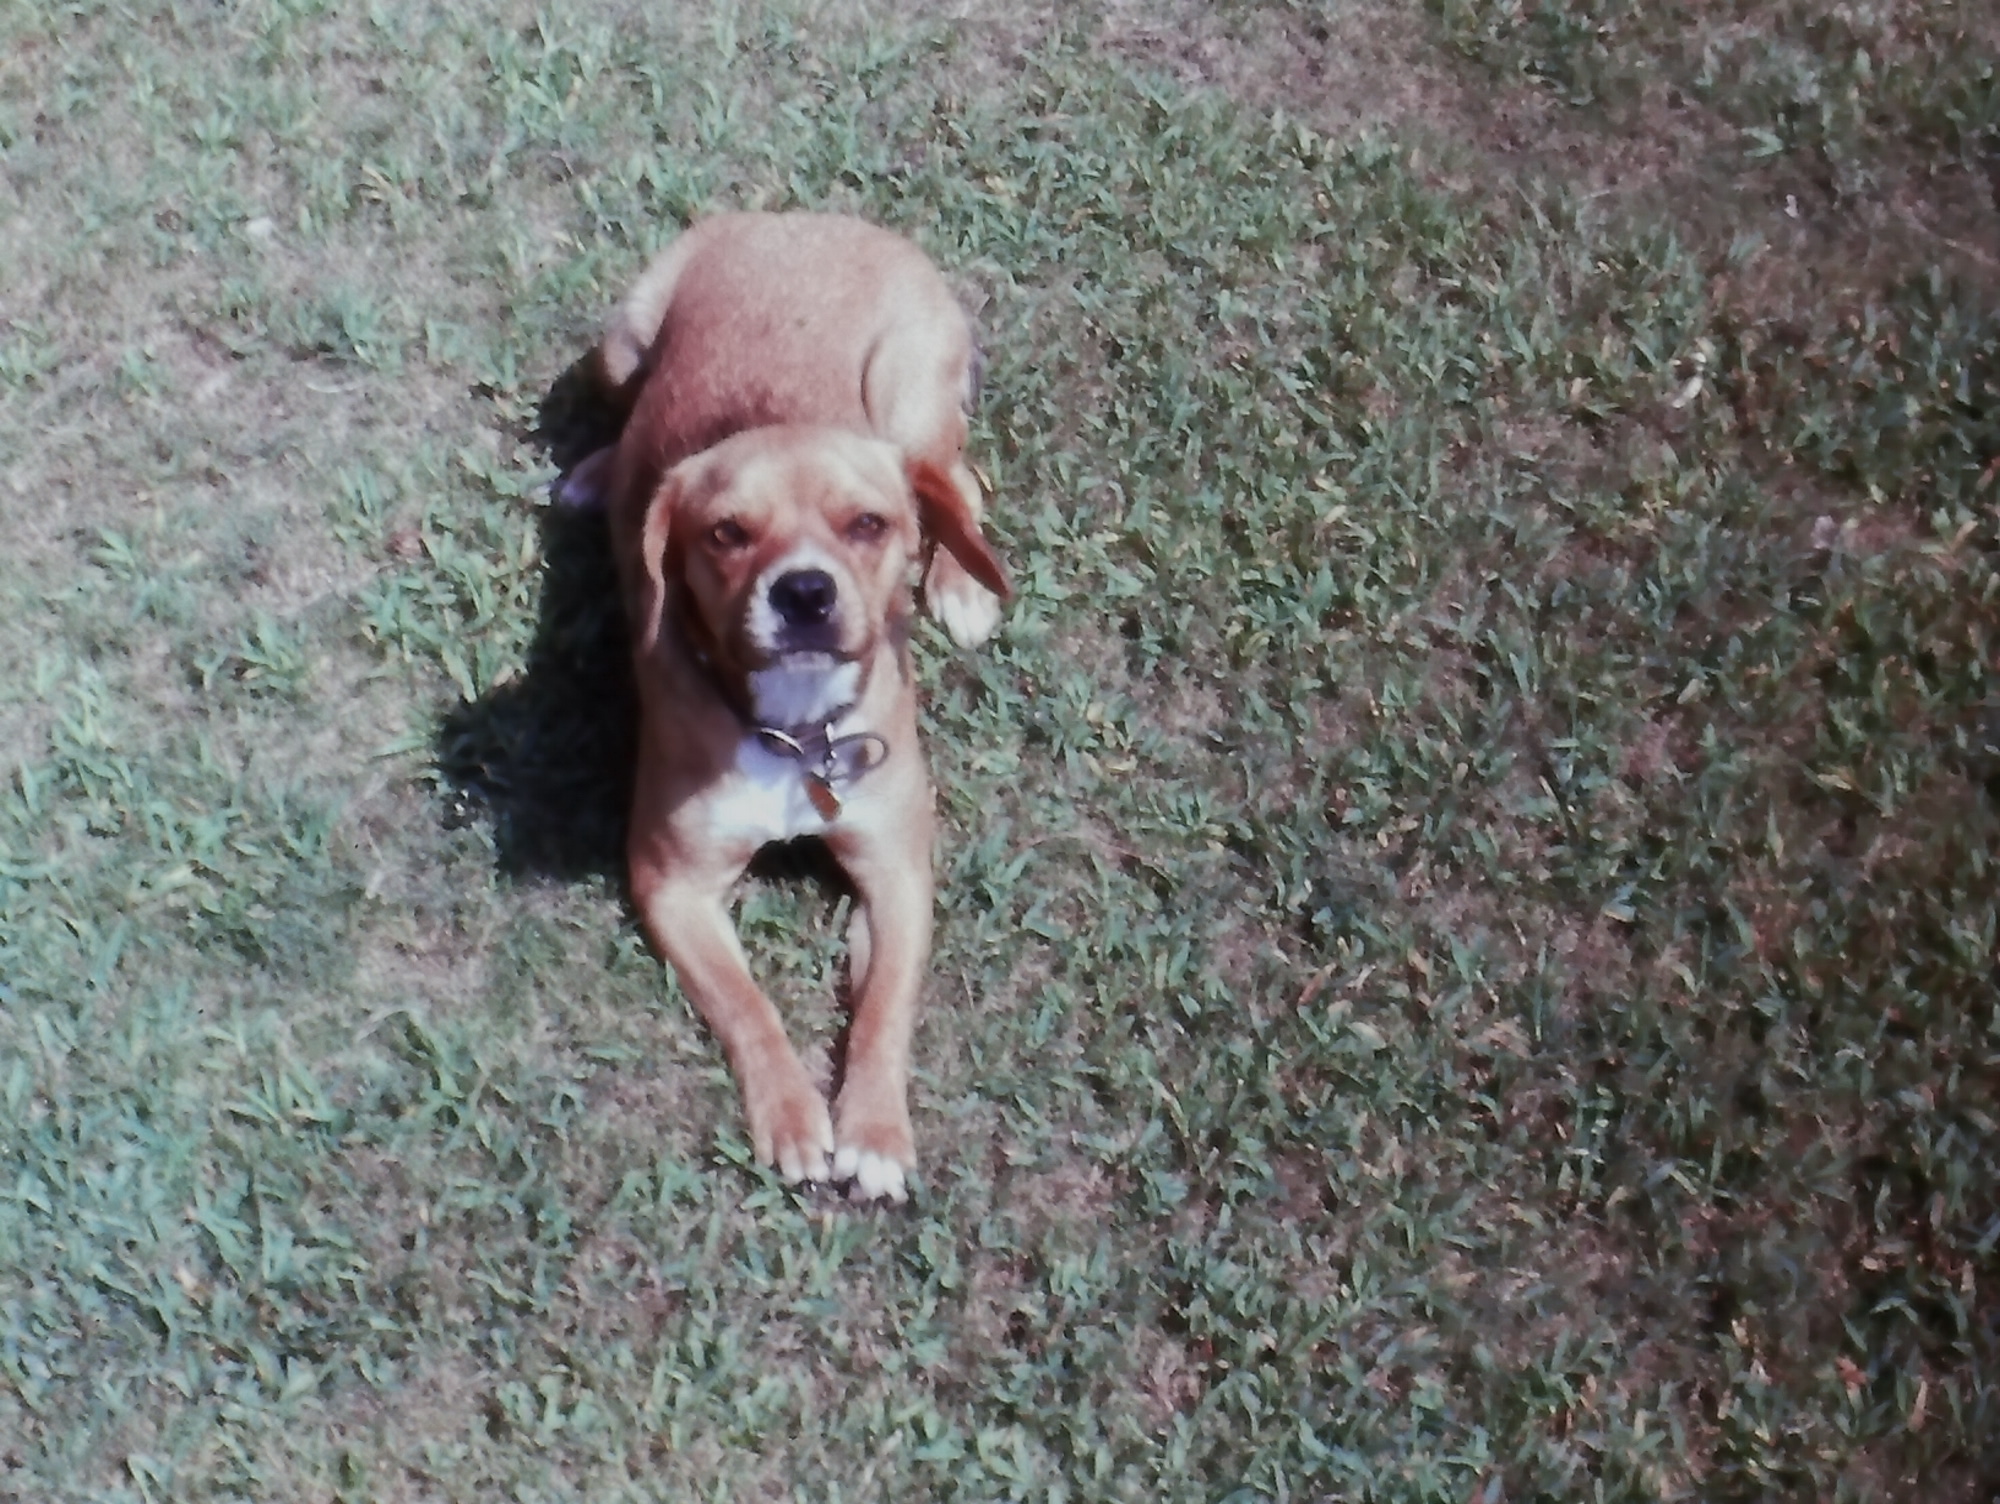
(1658, 150)
(1170, 1381)
(1069, 1199)
(1340, 69)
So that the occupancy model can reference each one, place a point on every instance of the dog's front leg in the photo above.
(689, 924)
(888, 944)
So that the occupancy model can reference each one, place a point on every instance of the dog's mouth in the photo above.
(805, 660)
(820, 639)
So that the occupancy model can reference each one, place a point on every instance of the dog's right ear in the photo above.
(654, 536)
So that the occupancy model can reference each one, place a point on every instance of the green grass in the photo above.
(1467, 959)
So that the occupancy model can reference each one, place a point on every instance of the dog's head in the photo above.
(785, 554)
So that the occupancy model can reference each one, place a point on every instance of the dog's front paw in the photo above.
(876, 1152)
(789, 1126)
(966, 609)
(876, 1177)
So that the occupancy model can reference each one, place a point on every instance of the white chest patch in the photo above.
(765, 799)
(804, 688)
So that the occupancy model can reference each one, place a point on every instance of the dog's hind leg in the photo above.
(618, 366)
(635, 323)
(966, 609)
(916, 387)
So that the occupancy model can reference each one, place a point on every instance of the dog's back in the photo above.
(750, 320)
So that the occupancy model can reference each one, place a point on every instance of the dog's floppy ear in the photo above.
(952, 521)
(653, 537)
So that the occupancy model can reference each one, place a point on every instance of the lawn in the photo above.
(1468, 957)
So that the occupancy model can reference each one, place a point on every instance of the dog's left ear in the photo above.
(952, 521)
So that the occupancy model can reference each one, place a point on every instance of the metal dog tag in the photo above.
(839, 757)
(821, 793)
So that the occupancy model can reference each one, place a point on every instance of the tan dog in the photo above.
(797, 386)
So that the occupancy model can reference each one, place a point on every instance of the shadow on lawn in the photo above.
(548, 756)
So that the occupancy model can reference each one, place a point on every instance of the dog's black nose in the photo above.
(804, 597)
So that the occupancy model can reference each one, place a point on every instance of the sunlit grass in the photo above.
(1465, 958)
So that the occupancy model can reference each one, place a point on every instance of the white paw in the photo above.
(967, 610)
(876, 1177)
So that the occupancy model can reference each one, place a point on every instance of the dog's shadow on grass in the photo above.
(547, 756)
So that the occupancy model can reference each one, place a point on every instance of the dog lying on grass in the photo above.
(796, 388)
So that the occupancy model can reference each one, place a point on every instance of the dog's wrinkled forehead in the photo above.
(793, 490)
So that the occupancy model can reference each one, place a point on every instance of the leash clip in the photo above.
(834, 765)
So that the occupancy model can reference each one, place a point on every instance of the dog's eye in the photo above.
(868, 527)
(729, 534)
